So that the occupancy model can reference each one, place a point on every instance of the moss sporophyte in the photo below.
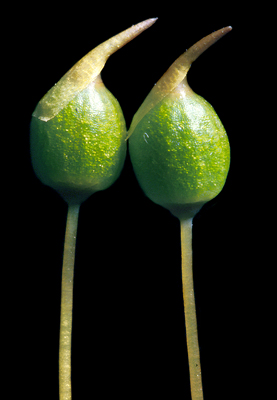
(181, 156)
(78, 147)
(178, 147)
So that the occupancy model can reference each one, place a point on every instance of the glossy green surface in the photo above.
(180, 152)
(82, 149)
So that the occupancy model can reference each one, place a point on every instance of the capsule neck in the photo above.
(185, 211)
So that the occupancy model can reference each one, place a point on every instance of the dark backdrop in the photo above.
(128, 323)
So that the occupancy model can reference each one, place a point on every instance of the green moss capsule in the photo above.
(82, 149)
(78, 133)
(178, 146)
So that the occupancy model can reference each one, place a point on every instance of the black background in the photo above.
(128, 323)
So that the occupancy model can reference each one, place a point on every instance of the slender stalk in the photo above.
(66, 302)
(190, 312)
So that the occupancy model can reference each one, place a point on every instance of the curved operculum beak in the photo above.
(84, 72)
(176, 73)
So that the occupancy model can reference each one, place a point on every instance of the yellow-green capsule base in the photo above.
(180, 153)
(82, 149)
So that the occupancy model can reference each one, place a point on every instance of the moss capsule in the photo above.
(78, 133)
(178, 146)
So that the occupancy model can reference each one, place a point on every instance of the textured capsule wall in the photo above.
(180, 151)
(84, 145)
